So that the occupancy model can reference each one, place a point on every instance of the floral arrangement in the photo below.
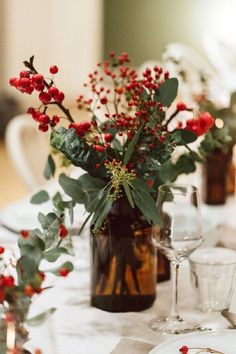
(126, 145)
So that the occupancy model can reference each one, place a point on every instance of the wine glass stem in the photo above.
(175, 275)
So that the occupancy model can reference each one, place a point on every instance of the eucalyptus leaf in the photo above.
(33, 240)
(53, 254)
(84, 190)
(49, 170)
(40, 197)
(39, 319)
(48, 221)
(67, 265)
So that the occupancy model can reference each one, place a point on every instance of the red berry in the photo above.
(184, 349)
(24, 233)
(38, 290)
(38, 351)
(55, 119)
(149, 183)
(44, 119)
(161, 138)
(37, 79)
(59, 97)
(45, 97)
(108, 137)
(53, 91)
(2, 296)
(99, 148)
(43, 127)
(42, 275)
(53, 69)
(64, 272)
(2, 249)
(7, 281)
(119, 90)
(103, 100)
(63, 232)
(13, 81)
(181, 106)
(24, 73)
(28, 290)
(39, 87)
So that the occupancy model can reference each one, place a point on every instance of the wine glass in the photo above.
(177, 235)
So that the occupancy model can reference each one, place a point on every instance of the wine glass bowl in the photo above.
(177, 235)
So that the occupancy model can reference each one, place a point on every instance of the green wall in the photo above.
(144, 27)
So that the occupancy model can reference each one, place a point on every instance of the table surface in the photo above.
(77, 328)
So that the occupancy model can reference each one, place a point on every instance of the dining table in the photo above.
(78, 328)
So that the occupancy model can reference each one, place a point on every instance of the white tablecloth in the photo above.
(77, 328)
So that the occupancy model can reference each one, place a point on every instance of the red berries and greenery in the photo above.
(132, 129)
(21, 278)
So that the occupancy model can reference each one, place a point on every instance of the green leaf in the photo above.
(147, 206)
(50, 220)
(183, 136)
(144, 95)
(128, 193)
(140, 184)
(50, 168)
(67, 265)
(167, 92)
(26, 268)
(53, 254)
(81, 154)
(31, 252)
(40, 197)
(101, 212)
(170, 171)
(132, 145)
(84, 190)
(37, 320)
(32, 240)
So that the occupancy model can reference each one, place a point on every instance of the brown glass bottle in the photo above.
(123, 267)
(214, 177)
(230, 176)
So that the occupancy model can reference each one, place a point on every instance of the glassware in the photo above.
(177, 236)
(123, 261)
(212, 274)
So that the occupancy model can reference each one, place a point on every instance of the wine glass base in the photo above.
(173, 325)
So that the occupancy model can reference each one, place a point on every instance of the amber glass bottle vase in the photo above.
(123, 262)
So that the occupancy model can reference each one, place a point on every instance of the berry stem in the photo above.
(175, 114)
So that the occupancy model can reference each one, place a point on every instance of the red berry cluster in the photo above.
(30, 81)
(201, 124)
(127, 102)
(6, 281)
(127, 105)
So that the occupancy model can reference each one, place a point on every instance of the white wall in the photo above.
(67, 33)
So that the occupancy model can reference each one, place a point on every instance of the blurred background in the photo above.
(197, 35)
